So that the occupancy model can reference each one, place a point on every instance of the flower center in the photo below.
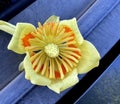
(51, 50)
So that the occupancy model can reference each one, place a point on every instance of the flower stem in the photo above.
(7, 27)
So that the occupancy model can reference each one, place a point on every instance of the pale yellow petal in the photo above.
(60, 85)
(52, 18)
(72, 23)
(21, 30)
(7, 27)
(21, 66)
(31, 75)
(89, 57)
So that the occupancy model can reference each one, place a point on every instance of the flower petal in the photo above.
(21, 30)
(21, 66)
(7, 27)
(31, 75)
(72, 23)
(60, 85)
(89, 57)
(52, 18)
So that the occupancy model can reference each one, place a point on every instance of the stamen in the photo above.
(77, 55)
(60, 69)
(65, 65)
(70, 57)
(39, 25)
(41, 63)
(52, 68)
(45, 66)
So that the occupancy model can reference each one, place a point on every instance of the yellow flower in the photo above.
(55, 52)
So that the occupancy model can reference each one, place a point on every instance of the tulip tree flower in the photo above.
(55, 52)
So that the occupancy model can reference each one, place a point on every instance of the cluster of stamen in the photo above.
(53, 50)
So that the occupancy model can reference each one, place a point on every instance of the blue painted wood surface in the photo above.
(14, 7)
(95, 25)
(106, 90)
(9, 61)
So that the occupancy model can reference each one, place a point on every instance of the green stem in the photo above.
(7, 27)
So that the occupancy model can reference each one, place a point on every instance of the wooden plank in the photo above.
(14, 8)
(107, 33)
(106, 89)
(42, 90)
(31, 15)
(14, 89)
(9, 61)
(40, 10)
(95, 15)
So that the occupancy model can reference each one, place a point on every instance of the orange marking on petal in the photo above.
(63, 69)
(32, 62)
(35, 67)
(32, 54)
(72, 45)
(52, 24)
(77, 52)
(72, 35)
(41, 67)
(57, 74)
(71, 60)
(26, 39)
(67, 29)
(75, 57)
(70, 40)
